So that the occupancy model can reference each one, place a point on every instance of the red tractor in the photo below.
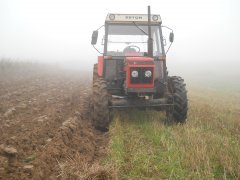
(132, 72)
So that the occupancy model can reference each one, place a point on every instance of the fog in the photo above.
(207, 38)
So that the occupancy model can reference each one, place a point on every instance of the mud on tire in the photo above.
(100, 104)
(178, 113)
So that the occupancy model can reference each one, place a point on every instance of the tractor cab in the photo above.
(131, 54)
(127, 35)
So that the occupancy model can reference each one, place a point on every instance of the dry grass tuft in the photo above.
(78, 168)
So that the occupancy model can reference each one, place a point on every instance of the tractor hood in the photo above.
(139, 60)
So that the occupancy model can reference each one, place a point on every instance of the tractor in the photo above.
(131, 71)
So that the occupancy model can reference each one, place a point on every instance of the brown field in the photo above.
(46, 124)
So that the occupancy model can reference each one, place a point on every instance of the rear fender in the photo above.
(100, 66)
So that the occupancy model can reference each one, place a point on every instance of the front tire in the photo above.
(101, 118)
(178, 112)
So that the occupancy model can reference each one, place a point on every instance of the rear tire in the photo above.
(95, 73)
(101, 118)
(177, 88)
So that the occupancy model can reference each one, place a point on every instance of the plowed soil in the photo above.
(45, 120)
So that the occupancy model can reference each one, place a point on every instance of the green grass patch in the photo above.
(206, 147)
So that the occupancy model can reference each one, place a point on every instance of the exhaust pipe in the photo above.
(150, 40)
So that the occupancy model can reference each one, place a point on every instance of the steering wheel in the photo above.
(131, 48)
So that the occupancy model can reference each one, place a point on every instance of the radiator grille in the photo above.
(141, 78)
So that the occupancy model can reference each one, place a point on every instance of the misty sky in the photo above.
(207, 32)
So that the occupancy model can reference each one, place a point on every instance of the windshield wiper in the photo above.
(140, 28)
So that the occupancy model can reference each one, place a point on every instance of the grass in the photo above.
(8, 66)
(79, 168)
(206, 147)
(17, 70)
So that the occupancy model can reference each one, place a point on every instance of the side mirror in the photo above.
(171, 37)
(94, 37)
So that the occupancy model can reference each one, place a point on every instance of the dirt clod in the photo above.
(10, 151)
(9, 112)
(28, 167)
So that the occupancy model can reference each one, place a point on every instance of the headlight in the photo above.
(134, 74)
(148, 73)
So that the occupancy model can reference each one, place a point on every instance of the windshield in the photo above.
(131, 40)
